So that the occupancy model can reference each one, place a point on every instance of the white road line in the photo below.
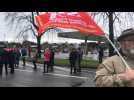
(24, 70)
(61, 75)
(89, 71)
(64, 69)
(56, 67)
(60, 68)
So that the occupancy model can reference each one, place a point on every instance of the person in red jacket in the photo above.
(47, 56)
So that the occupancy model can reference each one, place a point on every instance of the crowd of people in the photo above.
(48, 59)
(75, 58)
(10, 58)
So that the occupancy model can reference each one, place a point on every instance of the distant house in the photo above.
(45, 45)
(14, 44)
(28, 43)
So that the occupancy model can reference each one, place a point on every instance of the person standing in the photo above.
(1, 64)
(11, 60)
(47, 55)
(5, 61)
(52, 59)
(24, 54)
(34, 59)
(95, 54)
(17, 57)
(79, 58)
(73, 58)
(101, 52)
(29, 51)
(2, 58)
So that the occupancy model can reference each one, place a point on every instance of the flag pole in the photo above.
(126, 64)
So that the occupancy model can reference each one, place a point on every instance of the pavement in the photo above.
(27, 77)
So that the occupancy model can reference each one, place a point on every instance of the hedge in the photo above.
(65, 62)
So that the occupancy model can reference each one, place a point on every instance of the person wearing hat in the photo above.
(112, 72)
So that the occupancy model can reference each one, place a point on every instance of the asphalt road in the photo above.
(59, 78)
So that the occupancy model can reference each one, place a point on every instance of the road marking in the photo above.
(24, 70)
(56, 67)
(89, 71)
(64, 69)
(60, 68)
(61, 75)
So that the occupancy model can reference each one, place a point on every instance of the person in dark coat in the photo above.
(2, 61)
(17, 57)
(73, 58)
(11, 59)
(24, 54)
(80, 56)
(5, 61)
(52, 59)
(101, 53)
(29, 51)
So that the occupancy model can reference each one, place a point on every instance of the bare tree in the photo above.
(112, 19)
(24, 22)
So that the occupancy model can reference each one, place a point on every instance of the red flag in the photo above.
(81, 21)
(42, 20)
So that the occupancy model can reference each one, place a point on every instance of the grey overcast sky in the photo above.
(7, 34)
